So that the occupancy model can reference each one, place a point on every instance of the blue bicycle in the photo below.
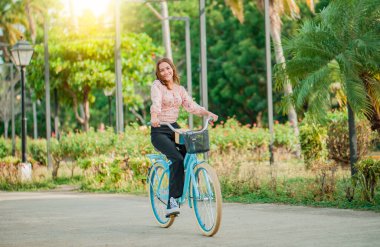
(201, 185)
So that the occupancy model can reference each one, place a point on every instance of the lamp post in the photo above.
(22, 53)
(108, 92)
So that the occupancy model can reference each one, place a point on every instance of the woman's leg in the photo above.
(164, 143)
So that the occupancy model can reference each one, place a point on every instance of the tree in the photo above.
(342, 44)
(236, 78)
(81, 66)
(276, 10)
(5, 99)
(11, 19)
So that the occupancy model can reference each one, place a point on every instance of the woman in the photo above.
(167, 96)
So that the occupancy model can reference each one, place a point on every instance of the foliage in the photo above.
(341, 44)
(116, 163)
(5, 148)
(284, 137)
(9, 169)
(368, 175)
(338, 138)
(37, 150)
(236, 55)
(10, 14)
(233, 135)
(329, 140)
(78, 65)
(313, 143)
(237, 78)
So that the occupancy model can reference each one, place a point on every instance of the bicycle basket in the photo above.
(196, 142)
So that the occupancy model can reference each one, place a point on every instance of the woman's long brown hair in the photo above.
(175, 75)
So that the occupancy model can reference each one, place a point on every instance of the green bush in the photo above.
(368, 175)
(5, 148)
(37, 150)
(9, 169)
(285, 137)
(313, 143)
(233, 135)
(338, 139)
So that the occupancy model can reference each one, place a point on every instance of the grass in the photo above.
(244, 177)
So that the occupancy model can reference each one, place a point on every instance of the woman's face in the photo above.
(166, 71)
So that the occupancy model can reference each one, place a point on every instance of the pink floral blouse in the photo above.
(166, 103)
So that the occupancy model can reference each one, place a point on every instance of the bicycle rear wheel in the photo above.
(208, 201)
(158, 194)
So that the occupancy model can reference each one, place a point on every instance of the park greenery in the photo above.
(327, 76)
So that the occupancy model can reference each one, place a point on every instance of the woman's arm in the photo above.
(155, 108)
(193, 108)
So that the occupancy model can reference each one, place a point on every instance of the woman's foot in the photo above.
(173, 208)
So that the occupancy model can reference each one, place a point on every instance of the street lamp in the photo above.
(22, 53)
(108, 92)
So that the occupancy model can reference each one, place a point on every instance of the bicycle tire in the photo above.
(209, 193)
(157, 202)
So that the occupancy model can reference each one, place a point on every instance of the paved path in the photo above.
(78, 219)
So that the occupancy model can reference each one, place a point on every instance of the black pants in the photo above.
(163, 140)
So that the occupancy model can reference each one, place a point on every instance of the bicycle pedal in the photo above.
(172, 215)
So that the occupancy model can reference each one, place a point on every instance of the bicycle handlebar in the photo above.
(179, 132)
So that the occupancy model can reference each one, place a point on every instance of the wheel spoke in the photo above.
(207, 199)
(158, 193)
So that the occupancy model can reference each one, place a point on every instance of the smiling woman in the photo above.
(97, 7)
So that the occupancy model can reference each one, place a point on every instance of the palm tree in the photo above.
(35, 10)
(11, 19)
(342, 44)
(276, 10)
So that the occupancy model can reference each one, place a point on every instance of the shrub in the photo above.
(57, 155)
(285, 137)
(338, 139)
(37, 150)
(5, 148)
(325, 181)
(233, 135)
(368, 175)
(313, 143)
(9, 169)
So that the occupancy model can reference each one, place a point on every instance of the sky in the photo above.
(97, 7)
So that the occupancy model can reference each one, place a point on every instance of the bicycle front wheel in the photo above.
(207, 199)
(159, 193)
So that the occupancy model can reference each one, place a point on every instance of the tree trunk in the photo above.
(280, 59)
(32, 23)
(56, 118)
(86, 105)
(55, 169)
(6, 124)
(353, 139)
(86, 123)
(35, 123)
(33, 36)
(166, 30)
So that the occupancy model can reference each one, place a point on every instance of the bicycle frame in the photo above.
(190, 162)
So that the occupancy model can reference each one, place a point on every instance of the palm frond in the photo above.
(309, 85)
(237, 8)
(357, 96)
(310, 4)
(373, 89)
(290, 8)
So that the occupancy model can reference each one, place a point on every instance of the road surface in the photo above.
(82, 219)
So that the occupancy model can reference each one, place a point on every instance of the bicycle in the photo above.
(201, 185)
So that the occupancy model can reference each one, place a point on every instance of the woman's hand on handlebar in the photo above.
(155, 122)
(213, 116)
